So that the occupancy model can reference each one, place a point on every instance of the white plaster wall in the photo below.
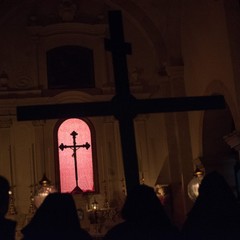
(206, 55)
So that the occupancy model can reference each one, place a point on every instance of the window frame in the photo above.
(62, 53)
(93, 148)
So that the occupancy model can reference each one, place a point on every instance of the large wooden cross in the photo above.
(123, 106)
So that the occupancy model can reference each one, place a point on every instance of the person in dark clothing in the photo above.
(56, 218)
(216, 212)
(7, 226)
(144, 218)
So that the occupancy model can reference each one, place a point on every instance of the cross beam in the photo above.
(123, 105)
(131, 106)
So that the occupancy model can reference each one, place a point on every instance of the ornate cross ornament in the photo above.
(75, 147)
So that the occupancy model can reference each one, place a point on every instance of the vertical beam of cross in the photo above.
(119, 48)
(75, 147)
(123, 112)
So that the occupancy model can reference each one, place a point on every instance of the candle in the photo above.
(103, 166)
(110, 158)
(33, 166)
(11, 165)
(30, 164)
(49, 154)
(140, 157)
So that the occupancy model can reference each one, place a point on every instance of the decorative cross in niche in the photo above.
(75, 147)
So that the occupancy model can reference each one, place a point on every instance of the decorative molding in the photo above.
(5, 122)
(67, 11)
(67, 28)
(23, 82)
(174, 72)
(38, 123)
(20, 93)
(109, 119)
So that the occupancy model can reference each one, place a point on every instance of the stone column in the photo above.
(6, 151)
(39, 150)
(112, 159)
(180, 150)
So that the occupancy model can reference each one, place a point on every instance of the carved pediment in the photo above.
(60, 11)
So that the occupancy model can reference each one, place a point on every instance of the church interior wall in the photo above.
(206, 48)
(157, 149)
(168, 145)
(207, 54)
(232, 21)
(37, 145)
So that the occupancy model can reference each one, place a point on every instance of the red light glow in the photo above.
(84, 156)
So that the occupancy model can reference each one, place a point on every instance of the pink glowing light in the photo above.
(84, 156)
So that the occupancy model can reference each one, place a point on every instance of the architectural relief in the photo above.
(67, 10)
(6, 122)
(59, 11)
(24, 82)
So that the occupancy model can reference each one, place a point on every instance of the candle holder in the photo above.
(98, 216)
(44, 189)
(123, 186)
(32, 207)
(12, 209)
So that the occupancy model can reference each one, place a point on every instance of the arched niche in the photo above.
(216, 154)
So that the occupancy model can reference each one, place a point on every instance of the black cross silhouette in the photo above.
(75, 147)
(123, 105)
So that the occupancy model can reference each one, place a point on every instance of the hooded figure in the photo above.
(56, 218)
(144, 218)
(216, 212)
(7, 226)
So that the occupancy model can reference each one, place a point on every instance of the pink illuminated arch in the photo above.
(84, 156)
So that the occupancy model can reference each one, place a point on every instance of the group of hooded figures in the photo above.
(214, 215)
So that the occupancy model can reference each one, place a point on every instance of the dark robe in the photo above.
(215, 214)
(56, 218)
(144, 218)
(7, 229)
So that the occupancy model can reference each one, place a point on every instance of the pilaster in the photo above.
(179, 139)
